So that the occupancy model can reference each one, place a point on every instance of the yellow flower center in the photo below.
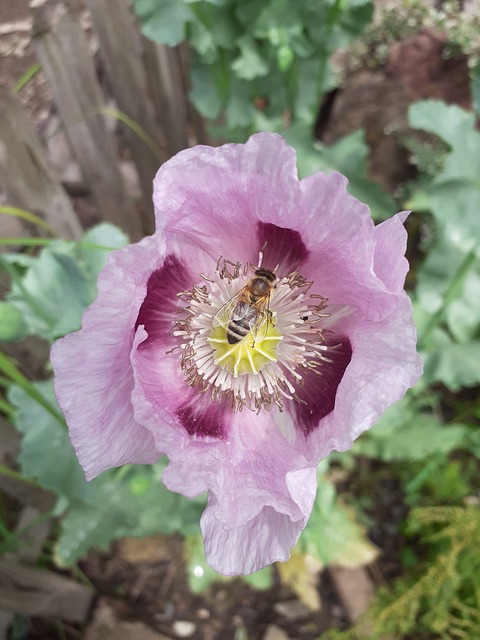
(247, 356)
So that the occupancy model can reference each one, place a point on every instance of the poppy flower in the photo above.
(261, 327)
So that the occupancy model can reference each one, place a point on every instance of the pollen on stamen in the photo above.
(262, 368)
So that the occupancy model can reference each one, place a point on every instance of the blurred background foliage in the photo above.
(271, 65)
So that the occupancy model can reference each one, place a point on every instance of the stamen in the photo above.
(249, 351)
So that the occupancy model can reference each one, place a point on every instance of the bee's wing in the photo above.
(225, 314)
(259, 328)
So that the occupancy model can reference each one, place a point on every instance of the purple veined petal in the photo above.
(93, 379)
(316, 396)
(161, 303)
(208, 200)
(174, 413)
(267, 537)
(282, 247)
(390, 265)
(384, 362)
(339, 234)
(260, 488)
(384, 365)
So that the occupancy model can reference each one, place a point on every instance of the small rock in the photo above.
(275, 633)
(107, 626)
(183, 628)
(141, 550)
(203, 614)
(291, 609)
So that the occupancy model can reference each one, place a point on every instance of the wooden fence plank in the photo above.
(65, 58)
(31, 591)
(25, 175)
(169, 97)
(120, 47)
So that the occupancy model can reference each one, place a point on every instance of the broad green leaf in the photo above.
(204, 93)
(12, 324)
(336, 538)
(53, 293)
(46, 453)
(456, 365)
(163, 21)
(97, 243)
(260, 580)
(52, 290)
(240, 110)
(403, 433)
(202, 40)
(249, 64)
(454, 194)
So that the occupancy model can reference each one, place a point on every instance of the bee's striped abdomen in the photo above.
(237, 330)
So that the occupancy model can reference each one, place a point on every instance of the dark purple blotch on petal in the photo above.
(283, 246)
(203, 422)
(158, 310)
(317, 395)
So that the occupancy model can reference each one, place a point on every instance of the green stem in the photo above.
(15, 475)
(27, 76)
(6, 408)
(8, 367)
(450, 294)
(29, 217)
(26, 241)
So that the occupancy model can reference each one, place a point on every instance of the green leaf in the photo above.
(260, 580)
(96, 245)
(12, 324)
(456, 365)
(53, 294)
(334, 537)
(52, 290)
(249, 64)
(204, 94)
(403, 433)
(240, 111)
(163, 21)
(455, 193)
(46, 453)
(300, 573)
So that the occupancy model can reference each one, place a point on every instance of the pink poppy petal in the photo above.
(260, 490)
(281, 247)
(93, 379)
(161, 304)
(208, 200)
(318, 391)
(265, 538)
(390, 265)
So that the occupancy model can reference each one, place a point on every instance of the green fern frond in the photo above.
(445, 599)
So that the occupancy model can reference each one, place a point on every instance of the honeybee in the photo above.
(248, 310)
